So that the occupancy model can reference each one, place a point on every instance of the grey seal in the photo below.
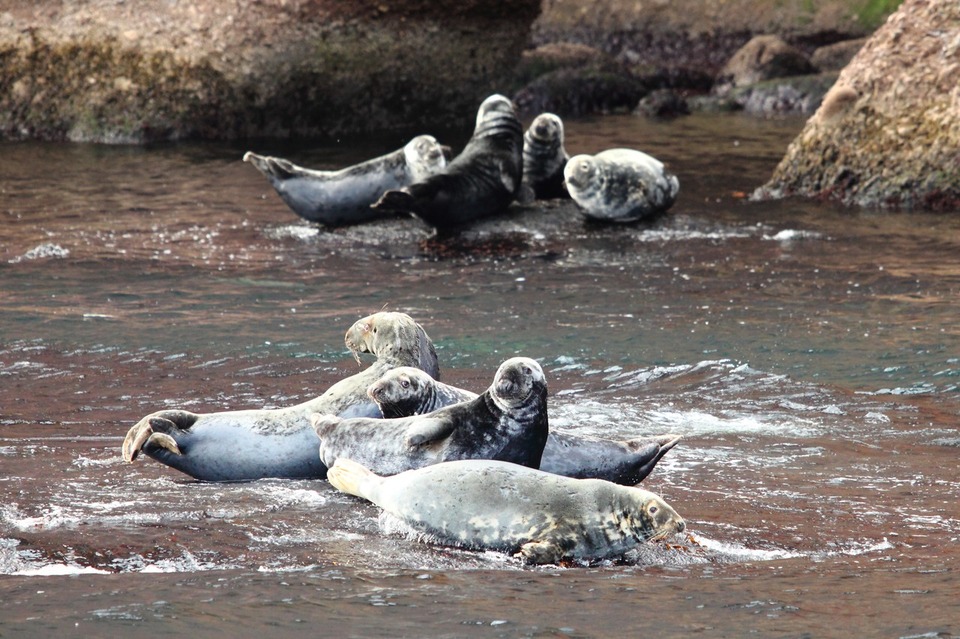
(482, 181)
(544, 158)
(507, 422)
(405, 391)
(620, 185)
(253, 444)
(337, 198)
(541, 517)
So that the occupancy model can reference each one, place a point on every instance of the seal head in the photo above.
(544, 158)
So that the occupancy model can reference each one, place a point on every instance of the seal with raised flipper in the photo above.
(338, 198)
(254, 444)
(507, 422)
(482, 181)
(620, 185)
(544, 158)
(405, 391)
(492, 505)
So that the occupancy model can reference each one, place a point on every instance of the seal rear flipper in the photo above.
(540, 552)
(323, 424)
(155, 429)
(424, 431)
(271, 166)
(351, 478)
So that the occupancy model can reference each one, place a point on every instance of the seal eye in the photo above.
(405, 384)
(653, 510)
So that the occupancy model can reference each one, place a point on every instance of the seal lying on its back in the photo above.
(544, 159)
(507, 422)
(620, 185)
(479, 182)
(494, 505)
(336, 198)
(253, 444)
(407, 391)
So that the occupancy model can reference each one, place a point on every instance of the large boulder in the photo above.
(764, 57)
(888, 133)
(103, 70)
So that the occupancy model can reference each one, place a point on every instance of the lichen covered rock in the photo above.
(112, 71)
(888, 133)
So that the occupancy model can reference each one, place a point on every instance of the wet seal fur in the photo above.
(492, 505)
(544, 158)
(620, 185)
(507, 422)
(338, 198)
(482, 181)
(406, 391)
(254, 444)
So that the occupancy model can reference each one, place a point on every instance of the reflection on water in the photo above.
(810, 356)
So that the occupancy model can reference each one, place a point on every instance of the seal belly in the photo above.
(230, 450)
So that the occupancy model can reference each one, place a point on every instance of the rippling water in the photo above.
(809, 355)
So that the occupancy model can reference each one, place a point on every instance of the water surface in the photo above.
(809, 355)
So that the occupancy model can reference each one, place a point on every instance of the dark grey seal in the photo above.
(544, 158)
(541, 517)
(338, 198)
(507, 422)
(620, 185)
(253, 444)
(405, 391)
(482, 181)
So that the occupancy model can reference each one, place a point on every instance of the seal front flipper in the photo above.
(424, 431)
(352, 478)
(540, 552)
(154, 430)
(400, 201)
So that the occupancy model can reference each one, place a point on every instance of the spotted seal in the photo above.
(405, 391)
(543, 518)
(337, 198)
(507, 422)
(544, 158)
(480, 182)
(620, 185)
(252, 444)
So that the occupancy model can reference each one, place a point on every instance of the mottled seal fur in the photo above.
(482, 181)
(544, 158)
(507, 422)
(405, 391)
(337, 198)
(253, 444)
(541, 517)
(620, 185)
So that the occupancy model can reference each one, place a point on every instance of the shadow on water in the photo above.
(807, 354)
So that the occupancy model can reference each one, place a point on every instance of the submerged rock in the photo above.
(888, 133)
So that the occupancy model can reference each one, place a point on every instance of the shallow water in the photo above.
(809, 355)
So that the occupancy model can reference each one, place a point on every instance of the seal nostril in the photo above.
(681, 525)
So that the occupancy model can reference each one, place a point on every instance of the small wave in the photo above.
(790, 235)
(42, 251)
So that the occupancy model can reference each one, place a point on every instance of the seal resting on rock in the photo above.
(480, 182)
(620, 185)
(507, 422)
(337, 198)
(492, 505)
(253, 444)
(544, 158)
(405, 391)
